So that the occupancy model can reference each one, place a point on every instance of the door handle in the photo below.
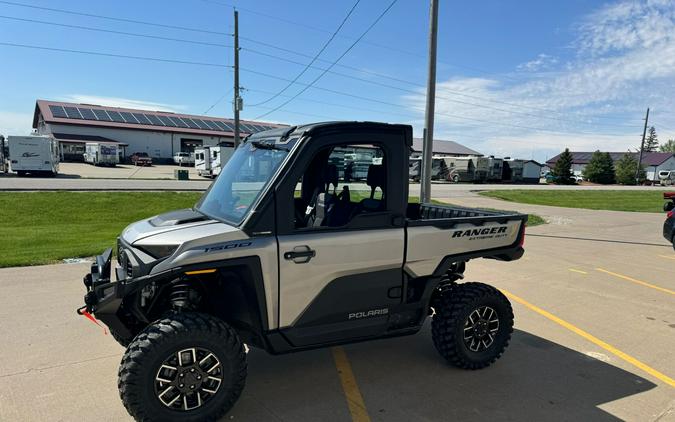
(300, 254)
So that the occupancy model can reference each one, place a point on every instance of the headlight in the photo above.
(158, 251)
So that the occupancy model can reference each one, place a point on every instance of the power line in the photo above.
(307, 86)
(323, 48)
(537, 129)
(120, 56)
(458, 93)
(370, 81)
(218, 101)
(384, 12)
(374, 44)
(133, 34)
(91, 15)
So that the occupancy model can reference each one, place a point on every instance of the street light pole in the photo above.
(428, 141)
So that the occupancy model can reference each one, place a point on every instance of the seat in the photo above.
(324, 198)
(376, 179)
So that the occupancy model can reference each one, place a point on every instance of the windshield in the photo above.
(246, 174)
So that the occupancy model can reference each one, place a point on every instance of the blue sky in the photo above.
(524, 78)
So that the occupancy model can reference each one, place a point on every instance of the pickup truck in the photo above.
(184, 158)
(283, 255)
(669, 224)
(141, 159)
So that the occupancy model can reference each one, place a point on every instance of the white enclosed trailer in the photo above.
(210, 159)
(34, 154)
(101, 154)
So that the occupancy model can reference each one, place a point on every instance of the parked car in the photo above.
(669, 224)
(667, 177)
(141, 159)
(577, 178)
(254, 264)
(184, 158)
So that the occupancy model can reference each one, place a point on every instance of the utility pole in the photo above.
(237, 100)
(428, 141)
(642, 148)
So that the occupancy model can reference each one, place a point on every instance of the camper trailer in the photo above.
(37, 155)
(667, 177)
(101, 154)
(460, 169)
(512, 171)
(210, 159)
(3, 157)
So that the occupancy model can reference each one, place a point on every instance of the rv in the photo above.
(3, 159)
(667, 177)
(101, 154)
(34, 154)
(210, 159)
(461, 169)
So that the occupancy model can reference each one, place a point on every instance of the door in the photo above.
(340, 267)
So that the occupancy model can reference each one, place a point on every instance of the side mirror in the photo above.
(669, 206)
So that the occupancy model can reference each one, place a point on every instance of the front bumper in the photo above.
(104, 296)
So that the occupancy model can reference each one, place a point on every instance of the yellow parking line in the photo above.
(577, 271)
(357, 407)
(667, 257)
(643, 283)
(611, 349)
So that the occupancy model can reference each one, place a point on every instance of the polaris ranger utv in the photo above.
(279, 254)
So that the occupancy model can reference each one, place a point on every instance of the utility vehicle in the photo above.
(280, 255)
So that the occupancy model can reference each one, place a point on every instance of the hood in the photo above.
(164, 223)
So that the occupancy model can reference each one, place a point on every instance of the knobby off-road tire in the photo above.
(471, 310)
(207, 355)
(123, 341)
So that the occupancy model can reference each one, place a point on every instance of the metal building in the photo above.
(157, 133)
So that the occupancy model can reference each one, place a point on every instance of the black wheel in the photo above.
(472, 325)
(185, 367)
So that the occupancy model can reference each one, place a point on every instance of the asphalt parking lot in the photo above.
(595, 332)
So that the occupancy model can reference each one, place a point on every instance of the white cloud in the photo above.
(542, 62)
(122, 102)
(12, 123)
(624, 63)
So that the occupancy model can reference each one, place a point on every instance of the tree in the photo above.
(651, 141)
(600, 169)
(625, 170)
(668, 146)
(563, 168)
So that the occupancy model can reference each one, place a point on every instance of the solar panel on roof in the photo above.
(177, 121)
(166, 121)
(202, 124)
(87, 113)
(72, 113)
(190, 123)
(154, 120)
(142, 119)
(261, 128)
(128, 117)
(211, 124)
(222, 126)
(246, 128)
(57, 111)
(115, 116)
(101, 115)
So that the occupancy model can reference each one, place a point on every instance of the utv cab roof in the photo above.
(313, 128)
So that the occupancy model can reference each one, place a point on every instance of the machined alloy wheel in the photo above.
(188, 378)
(481, 328)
